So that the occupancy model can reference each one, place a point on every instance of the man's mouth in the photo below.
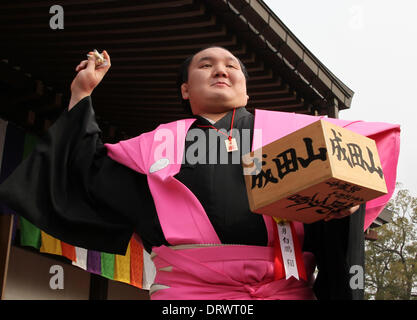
(221, 84)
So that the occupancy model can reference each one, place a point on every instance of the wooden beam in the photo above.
(333, 109)
(6, 229)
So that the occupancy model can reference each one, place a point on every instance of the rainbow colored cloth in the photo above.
(134, 268)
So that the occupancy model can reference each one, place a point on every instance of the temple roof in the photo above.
(147, 41)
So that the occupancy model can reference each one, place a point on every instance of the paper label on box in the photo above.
(287, 250)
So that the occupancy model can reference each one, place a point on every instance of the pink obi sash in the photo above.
(229, 272)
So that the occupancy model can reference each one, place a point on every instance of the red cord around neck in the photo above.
(213, 127)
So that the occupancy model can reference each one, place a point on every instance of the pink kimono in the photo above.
(197, 265)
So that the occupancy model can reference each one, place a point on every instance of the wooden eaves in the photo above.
(147, 41)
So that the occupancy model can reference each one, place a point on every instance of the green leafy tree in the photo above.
(391, 260)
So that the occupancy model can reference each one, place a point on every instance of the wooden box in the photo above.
(312, 172)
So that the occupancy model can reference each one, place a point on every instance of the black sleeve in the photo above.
(71, 189)
(337, 246)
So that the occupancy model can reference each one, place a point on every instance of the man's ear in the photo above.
(184, 91)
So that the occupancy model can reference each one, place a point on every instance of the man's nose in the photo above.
(220, 71)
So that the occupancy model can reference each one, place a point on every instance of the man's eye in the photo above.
(206, 65)
(231, 66)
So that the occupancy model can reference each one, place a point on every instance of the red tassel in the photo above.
(279, 269)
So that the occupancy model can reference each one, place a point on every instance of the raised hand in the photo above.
(88, 77)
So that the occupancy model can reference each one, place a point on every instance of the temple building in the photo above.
(147, 41)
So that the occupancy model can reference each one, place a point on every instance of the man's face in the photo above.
(215, 83)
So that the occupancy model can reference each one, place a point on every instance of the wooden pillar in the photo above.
(333, 109)
(371, 234)
(98, 287)
(6, 229)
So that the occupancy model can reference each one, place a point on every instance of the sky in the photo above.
(371, 46)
